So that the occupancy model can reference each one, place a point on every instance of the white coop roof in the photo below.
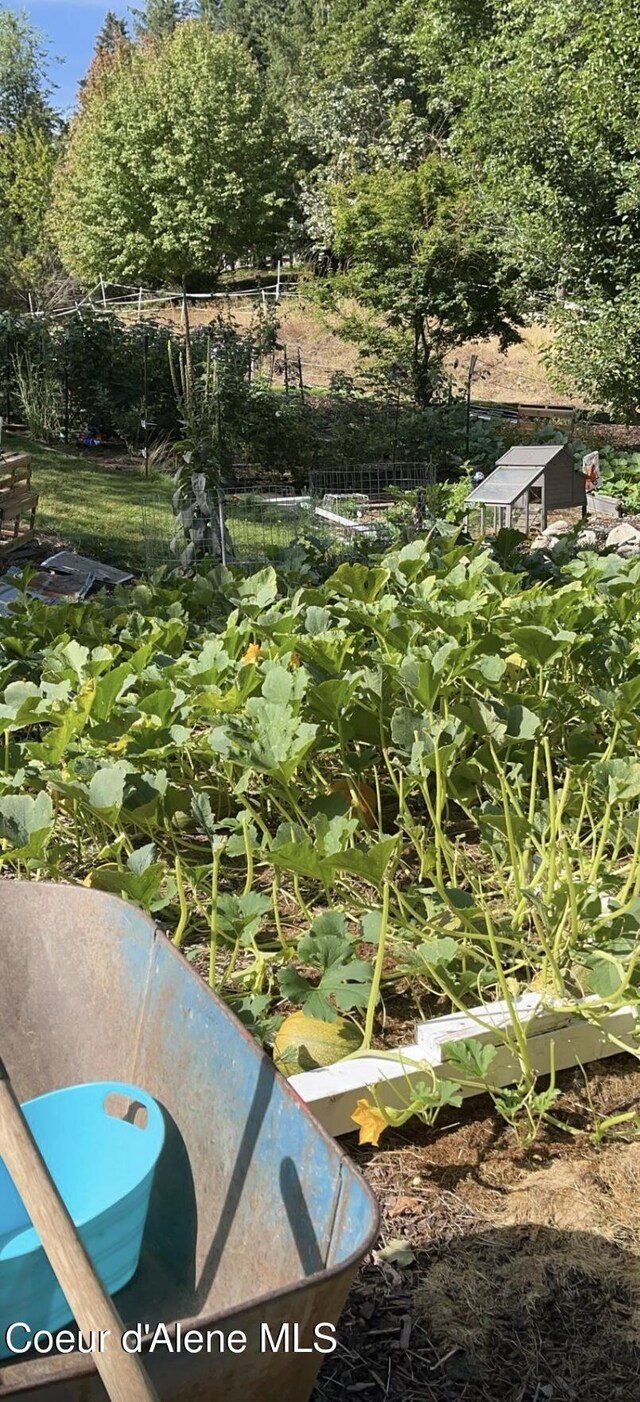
(527, 455)
(505, 485)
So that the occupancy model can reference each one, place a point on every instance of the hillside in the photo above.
(518, 375)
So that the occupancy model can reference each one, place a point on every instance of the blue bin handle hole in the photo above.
(123, 1107)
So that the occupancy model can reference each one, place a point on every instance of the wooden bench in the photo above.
(18, 503)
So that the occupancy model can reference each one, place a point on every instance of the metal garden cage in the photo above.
(261, 523)
(264, 521)
(377, 480)
(344, 513)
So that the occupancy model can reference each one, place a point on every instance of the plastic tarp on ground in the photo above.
(504, 486)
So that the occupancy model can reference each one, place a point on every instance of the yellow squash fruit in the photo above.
(304, 1042)
(361, 799)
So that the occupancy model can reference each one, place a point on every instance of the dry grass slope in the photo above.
(518, 375)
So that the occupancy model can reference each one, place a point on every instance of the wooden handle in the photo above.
(122, 1373)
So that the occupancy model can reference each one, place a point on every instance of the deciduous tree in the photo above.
(177, 161)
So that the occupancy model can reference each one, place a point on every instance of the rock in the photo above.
(587, 540)
(627, 552)
(557, 528)
(545, 542)
(622, 535)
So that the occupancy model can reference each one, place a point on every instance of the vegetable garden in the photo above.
(96, 370)
(378, 782)
(413, 780)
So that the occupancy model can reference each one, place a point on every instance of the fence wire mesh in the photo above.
(264, 523)
(376, 480)
(344, 511)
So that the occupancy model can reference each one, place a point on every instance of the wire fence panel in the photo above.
(158, 531)
(376, 480)
(344, 510)
(262, 525)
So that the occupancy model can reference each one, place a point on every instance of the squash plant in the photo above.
(202, 746)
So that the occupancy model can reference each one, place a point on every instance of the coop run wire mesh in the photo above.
(344, 512)
(376, 480)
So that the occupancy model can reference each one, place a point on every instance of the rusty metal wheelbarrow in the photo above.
(257, 1221)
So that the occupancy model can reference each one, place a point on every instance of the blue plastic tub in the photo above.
(257, 1220)
(104, 1166)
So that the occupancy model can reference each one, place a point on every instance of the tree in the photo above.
(276, 32)
(533, 109)
(548, 131)
(388, 210)
(177, 161)
(111, 40)
(213, 11)
(159, 18)
(113, 33)
(27, 161)
(415, 249)
(29, 144)
(24, 86)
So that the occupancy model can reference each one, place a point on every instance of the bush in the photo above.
(101, 359)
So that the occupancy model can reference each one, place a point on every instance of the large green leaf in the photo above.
(621, 777)
(26, 822)
(106, 789)
(362, 582)
(540, 645)
(370, 863)
(110, 688)
(302, 859)
(482, 719)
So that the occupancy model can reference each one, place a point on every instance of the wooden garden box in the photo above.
(18, 503)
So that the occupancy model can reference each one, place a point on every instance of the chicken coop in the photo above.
(527, 483)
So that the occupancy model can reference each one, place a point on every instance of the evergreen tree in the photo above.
(113, 33)
(159, 18)
(112, 40)
(275, 31)
(214, 12)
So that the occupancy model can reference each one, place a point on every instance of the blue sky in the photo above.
(71, 27)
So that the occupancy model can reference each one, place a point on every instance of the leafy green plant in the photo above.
(420, 768)
(39, 396)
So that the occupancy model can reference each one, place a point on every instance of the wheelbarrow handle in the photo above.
(122, 1373)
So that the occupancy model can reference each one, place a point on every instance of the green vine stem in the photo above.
(377, 970)
(213, 926)
(180, 930)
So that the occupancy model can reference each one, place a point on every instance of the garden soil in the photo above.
(503, 1274)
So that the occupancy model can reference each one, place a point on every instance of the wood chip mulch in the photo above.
(502, 1273)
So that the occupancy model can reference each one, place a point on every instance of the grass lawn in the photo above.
(95, 506)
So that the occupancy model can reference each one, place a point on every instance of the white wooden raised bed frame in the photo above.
(333, 1092)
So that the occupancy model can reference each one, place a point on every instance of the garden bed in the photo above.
(333, 791)
(372, 796)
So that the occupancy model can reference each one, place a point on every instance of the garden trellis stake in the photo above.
(145, 393)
